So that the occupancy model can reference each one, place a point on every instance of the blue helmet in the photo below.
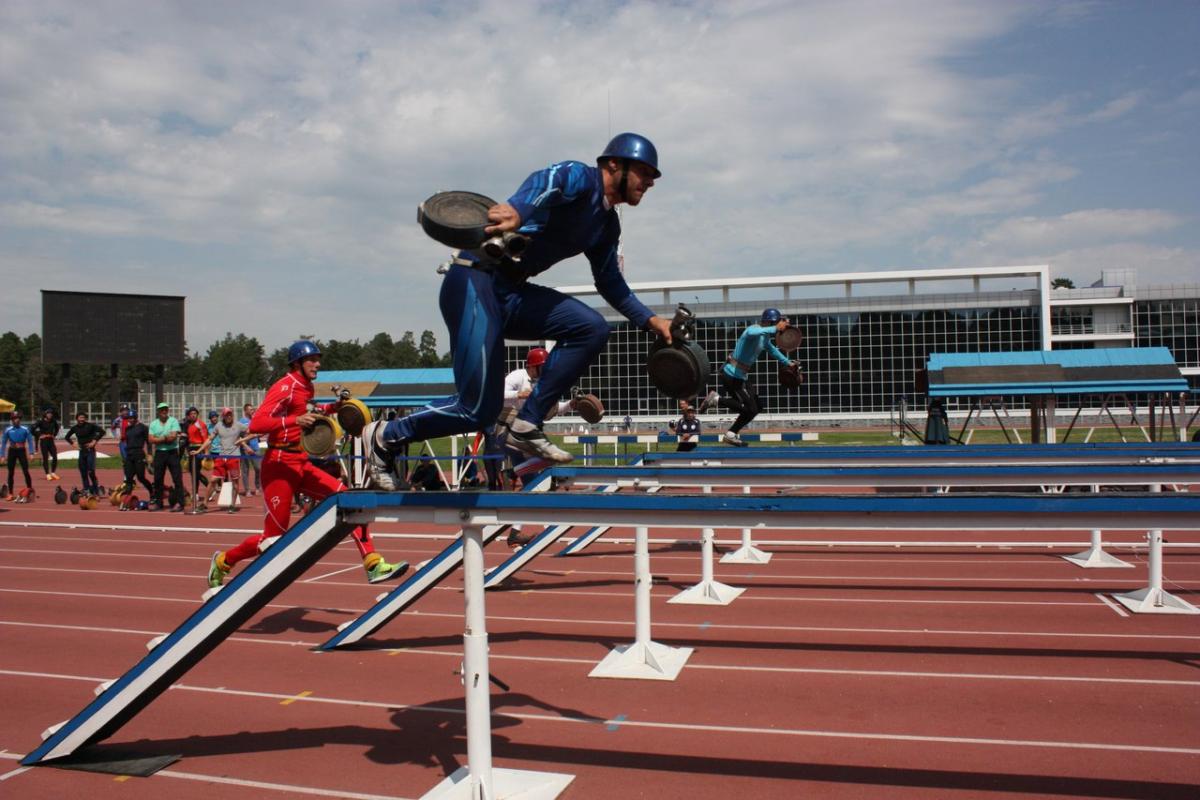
(634, 147)
(771, 316)
(301, 349)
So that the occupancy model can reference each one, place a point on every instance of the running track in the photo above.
(871, 673)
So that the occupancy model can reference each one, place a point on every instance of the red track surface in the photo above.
(864, 673)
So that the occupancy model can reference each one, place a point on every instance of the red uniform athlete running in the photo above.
(286, 469)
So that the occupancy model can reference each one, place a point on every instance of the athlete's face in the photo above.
(638, 182)
(310, 366)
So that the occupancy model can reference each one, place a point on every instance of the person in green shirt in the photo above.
(164, 436)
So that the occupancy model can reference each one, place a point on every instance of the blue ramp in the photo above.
(244, 596)
(391, 604)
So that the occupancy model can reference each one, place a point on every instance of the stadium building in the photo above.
(867, 334)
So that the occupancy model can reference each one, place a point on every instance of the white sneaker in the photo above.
(381, 463)
(709, 401)
(535, 443)
(732, 438)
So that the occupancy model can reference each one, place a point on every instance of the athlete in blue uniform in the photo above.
(566, 209)
(17, 443)
(737, 390)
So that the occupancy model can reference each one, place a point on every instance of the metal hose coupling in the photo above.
(509, 244)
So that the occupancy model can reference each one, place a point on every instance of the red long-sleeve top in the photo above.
(285, 401)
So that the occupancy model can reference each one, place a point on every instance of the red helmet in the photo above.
(536, 357)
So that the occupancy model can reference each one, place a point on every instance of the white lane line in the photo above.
(277, 787)
(717, 626)
(724, 729)
(331, 574)
(573, 593)
(869, 673)
(356, 611)
(1120, 611)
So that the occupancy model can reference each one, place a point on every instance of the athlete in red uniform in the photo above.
(286, 469)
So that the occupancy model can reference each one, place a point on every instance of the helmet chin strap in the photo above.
(623, 186)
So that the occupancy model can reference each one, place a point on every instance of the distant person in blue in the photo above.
(737, 390)
(567, 209)
(17, 445)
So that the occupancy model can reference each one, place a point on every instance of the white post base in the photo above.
(1096, 558)
(708, 593)
(1155, 601)
(650, 661)
(746, 555)
(517, 784)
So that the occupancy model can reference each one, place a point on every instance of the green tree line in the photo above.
(235, 360)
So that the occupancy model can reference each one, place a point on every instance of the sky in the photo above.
(266, 159)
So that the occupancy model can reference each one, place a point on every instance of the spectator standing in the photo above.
(228, 435)
(85, 435)
(17, 443)
(117, 429)
(165, 435)
(688, 430)
(46, 430)
(251, 459)
(137, 444)
(196, 434)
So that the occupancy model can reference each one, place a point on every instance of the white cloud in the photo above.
(1077, 228)
(284, 151)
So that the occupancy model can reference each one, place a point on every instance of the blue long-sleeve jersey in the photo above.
(749, 345)
(563, 212)
(18, 435)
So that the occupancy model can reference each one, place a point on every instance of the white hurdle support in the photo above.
(709, 591)
(478, 780)
(1095, 557)
(1154, 599)
(747, 553)
(643, 658)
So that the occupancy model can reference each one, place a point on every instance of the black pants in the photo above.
(87, 469)
(17, 455)
(739, 396)
(196, 469)
(49, 450)
(686, 447)
(135, 469)
(167, 460)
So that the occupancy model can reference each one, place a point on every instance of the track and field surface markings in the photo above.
(295, 697)
(227, 781)
(800, 599)
(691, 626)
(330, 574)
(723, 729)
(1120, 611)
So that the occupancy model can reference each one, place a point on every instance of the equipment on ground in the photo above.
(680, 369)
(26, 495)
(60, 495)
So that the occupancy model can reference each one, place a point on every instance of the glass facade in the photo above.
(861, 355)
(853, 362)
